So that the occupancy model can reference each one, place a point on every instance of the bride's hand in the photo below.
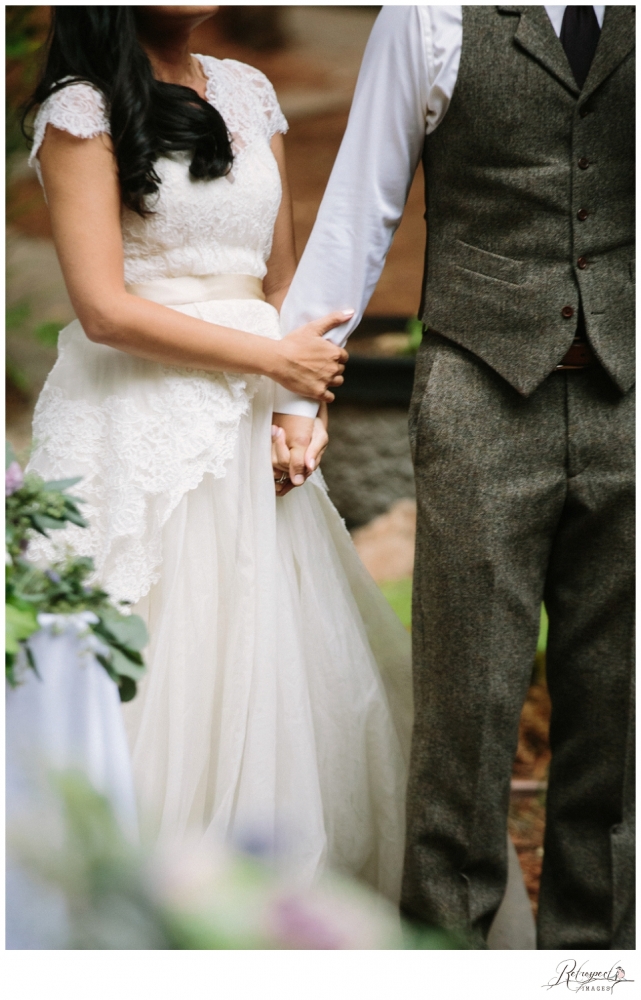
(306, 363)
(298, 444)
(320, 439)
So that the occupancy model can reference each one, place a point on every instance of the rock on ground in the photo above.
(367, 465)
(386, 544)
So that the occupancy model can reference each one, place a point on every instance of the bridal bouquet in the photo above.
(41, 596)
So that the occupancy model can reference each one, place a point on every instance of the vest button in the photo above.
(582, 214)
(583, 163)
(582, 263)
(567, 312)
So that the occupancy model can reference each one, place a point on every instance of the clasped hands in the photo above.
(298, 444)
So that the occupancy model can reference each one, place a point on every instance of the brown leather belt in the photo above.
(579, 356)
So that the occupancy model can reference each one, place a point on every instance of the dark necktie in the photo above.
(579, 37)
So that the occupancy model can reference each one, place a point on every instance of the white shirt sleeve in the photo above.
(368, 187)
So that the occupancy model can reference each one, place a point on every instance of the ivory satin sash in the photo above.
(199, 288)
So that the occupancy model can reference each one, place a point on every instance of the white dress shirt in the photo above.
(404, 88)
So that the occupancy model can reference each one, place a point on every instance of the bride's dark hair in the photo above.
(148, 118)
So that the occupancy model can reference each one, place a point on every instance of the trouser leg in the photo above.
(589, 596)
(490, 478)
(624, 847)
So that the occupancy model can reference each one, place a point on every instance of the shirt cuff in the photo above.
(288, 402)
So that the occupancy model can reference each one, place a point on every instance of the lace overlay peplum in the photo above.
(139, 434)
(138, 449)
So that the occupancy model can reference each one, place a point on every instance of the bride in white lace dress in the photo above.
(277, 702)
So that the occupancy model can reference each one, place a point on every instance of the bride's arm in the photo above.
(281, 265)
(81, 184)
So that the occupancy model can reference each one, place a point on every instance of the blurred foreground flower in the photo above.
(13, 479)
(188, 895)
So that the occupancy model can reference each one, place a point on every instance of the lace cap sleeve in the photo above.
(258, 85)
(276, 121)
(78, 108)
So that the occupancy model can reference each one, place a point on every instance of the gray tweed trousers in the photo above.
(521, 500)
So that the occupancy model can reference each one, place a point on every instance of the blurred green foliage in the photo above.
(399, 597)
(17, 315)
(47, 333)
(17, 319)
(23, 35)
(542, 644)
(26, 31)
(414, 328)
(16, 378)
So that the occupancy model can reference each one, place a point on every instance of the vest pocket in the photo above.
(491, 265)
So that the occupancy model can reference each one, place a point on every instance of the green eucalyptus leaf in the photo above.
(32, 662)
(127, 630)
(123, 666)
(106, 663)
(127, 688)
(59, 485)
(19, 625)
(10, 660)
(44, 522)
(75, 518)
(71, 503)
(39, 524)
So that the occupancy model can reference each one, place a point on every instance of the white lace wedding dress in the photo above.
(277, 704)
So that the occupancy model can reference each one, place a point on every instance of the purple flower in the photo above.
(297, 926)
(13, 479)
(52, 575)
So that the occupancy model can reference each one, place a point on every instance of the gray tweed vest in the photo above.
(530, 198)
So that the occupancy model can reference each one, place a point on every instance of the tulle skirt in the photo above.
(277, 706)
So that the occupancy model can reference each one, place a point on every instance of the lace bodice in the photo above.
(222, 226)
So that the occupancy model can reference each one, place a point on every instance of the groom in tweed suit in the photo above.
(522, 432)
